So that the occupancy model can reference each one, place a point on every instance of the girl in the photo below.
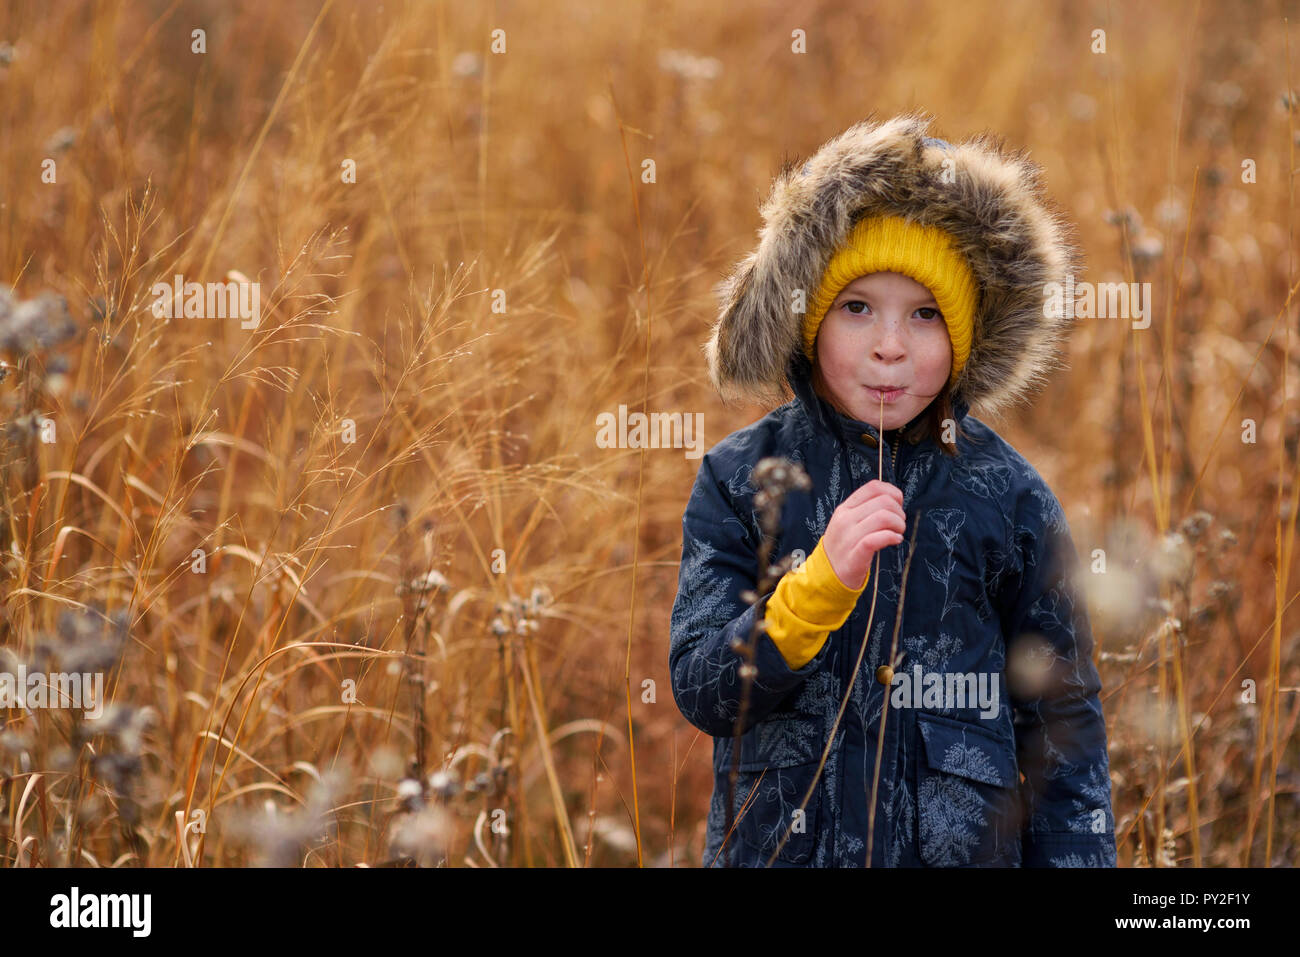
(898, 282)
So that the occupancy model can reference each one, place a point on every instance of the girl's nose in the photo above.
(889, 346)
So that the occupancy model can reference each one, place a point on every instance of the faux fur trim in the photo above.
(1014, 237)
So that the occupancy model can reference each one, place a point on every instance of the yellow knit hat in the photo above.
(925, 253)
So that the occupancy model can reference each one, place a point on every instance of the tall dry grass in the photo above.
(431, 644)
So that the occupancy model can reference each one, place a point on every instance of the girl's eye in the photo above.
(858, 308)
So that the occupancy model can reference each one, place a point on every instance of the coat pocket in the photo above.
(778, 759)
(966, 795)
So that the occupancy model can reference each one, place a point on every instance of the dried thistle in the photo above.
(281, 838)
(774, 479)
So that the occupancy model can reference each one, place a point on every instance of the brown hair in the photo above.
(930, 423)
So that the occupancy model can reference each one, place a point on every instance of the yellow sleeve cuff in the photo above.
(806, 607)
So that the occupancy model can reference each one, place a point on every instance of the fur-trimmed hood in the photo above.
(991, 201)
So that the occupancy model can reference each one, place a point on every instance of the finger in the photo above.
(881, 520)
(870, 490)
(880, 503)
(878, 540)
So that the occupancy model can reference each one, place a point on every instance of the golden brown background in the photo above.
(475, 430)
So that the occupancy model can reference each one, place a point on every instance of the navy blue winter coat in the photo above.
(994, 561)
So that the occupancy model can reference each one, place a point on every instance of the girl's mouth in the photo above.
(888, 395)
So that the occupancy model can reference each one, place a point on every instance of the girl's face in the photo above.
(883, 330)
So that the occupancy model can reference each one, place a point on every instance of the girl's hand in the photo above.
(870, 519)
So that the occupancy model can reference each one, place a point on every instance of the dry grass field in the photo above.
(364, 587)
